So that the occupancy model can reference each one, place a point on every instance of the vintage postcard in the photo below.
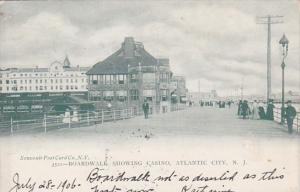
(150, 96)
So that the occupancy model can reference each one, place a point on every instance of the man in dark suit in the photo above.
(146, 108)
(290, 114)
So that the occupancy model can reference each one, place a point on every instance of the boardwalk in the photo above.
(194, 121)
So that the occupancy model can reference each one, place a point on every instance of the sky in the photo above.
(214, 44)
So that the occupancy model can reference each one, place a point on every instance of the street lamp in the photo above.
(285, 47)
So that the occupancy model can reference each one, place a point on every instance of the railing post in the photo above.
(69, 122)
(123, 114)
(11, 126)
(45, 123)
(88, 117)
(114, 115)
(102, 116)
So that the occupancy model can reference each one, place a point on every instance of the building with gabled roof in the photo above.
(129, 76)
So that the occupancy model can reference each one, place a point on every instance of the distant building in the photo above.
(178, 89)
(26, 84)
(203, 96)
(129, 76)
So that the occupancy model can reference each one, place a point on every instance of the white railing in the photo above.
(277, 118)
(80, 119)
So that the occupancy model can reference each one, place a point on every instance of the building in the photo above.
(129, 76)
(178, 89)
(20, 86)
(203, 96)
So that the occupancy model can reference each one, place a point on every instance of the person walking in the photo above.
(270, 112)
(290, 114)
(245, 109)
(261, 110)
(146, 108)
(255, 114)
(240, 108)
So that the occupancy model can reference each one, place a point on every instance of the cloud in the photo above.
(219, 43)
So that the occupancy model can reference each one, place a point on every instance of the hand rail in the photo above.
(49, 122)
(277, 118)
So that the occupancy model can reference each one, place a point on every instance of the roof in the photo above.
(131, 53)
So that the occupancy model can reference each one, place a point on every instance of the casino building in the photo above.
(129, 76)
(29, 89)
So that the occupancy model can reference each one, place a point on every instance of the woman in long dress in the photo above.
(255, 114)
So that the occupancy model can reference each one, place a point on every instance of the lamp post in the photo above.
(285, 43)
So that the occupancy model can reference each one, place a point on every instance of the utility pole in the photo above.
(268, 20)
(242, 89)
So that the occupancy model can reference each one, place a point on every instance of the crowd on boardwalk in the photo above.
(256, 110)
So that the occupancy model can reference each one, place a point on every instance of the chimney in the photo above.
(129, 47)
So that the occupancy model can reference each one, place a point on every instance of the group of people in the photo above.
(257, 111)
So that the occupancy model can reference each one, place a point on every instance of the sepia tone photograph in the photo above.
(187, 96)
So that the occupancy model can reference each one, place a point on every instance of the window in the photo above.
(21, 81)
(67, 80)
(95, 95)
(0, 88)
(134, 94)
(41, 87)
(108, 95)
(25, 81)
(149, 77)
(121, 95)
(61, 87)
(71, 80)
(51, 80)
(108, 79)
(163, 94)
(36, 81)
(67, 87)
(149, 94)
(0, 81)
(60, 80)
(133, 78)
(7, 81)
(164, 77)
(41, 81)
(45, 80)
(121, 79)
(94, 79)
(30, 81)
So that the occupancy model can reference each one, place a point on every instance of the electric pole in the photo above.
(268, 20)
(242, 89)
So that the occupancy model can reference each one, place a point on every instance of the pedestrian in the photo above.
(255, 114)
(240, 108)
(261, 110)
(245, 109)
(270, 112)
(290, 114)
(146, 108)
